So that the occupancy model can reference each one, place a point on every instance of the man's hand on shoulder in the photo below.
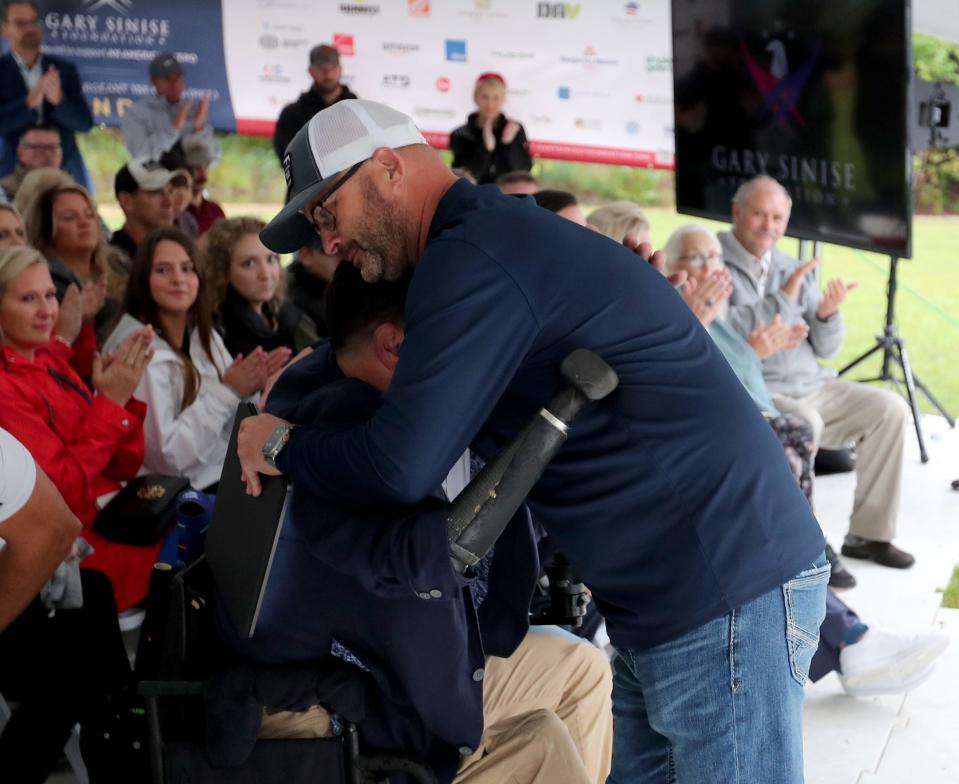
(835, 294)
(253, 433)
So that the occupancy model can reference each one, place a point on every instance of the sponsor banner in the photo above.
(112, 42)
(589, 80)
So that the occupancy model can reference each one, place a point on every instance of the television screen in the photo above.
(811, 92)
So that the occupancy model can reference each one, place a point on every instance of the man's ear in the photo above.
(391, 163)
(126, 201)
(387, 339)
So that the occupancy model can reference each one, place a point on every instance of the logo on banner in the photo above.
(344, 44)
(588, 123)
(505, 54)
(557, 10)
(588, 58)
(652, 99)
(564, 93)
(658, 64)
(396, 47)
(443, 84)
(117, 28)
(434, 111)
(396, 81)
(456, 51)
(274, 73)
(632, 9)
(120, 6)
(361, 9)
(632, 128)
(779, 88)
(418, 7)
(268, 41)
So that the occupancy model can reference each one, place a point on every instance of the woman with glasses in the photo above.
(247, 284)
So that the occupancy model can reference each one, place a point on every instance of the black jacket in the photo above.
(469, 152)
(244, 329)
(297, 114)
(308, 291)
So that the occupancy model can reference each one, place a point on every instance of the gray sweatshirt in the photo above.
(795, 372)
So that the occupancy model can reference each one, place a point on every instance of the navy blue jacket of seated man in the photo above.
(378, 582)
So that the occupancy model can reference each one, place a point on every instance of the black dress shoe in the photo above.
(839, 577)
(883, 553)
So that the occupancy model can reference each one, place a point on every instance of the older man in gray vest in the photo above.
(767, 282)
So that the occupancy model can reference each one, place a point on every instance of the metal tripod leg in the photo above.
(902, 358)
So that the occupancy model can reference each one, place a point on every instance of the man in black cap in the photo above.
(326, 90)
(155, 123)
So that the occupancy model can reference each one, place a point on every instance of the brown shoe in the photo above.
(883, 553)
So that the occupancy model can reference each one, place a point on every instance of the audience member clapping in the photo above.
(619, 219)
(63, 224)
(193, 385)
(87, 442)
(11, 226)
(246, 283)
(490, 144)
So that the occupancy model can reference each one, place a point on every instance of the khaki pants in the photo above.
(876, 419)
(548, 715)
(547, 711)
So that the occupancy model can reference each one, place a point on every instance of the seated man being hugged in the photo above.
(379, 590)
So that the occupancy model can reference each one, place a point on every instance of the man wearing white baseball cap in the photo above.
(672, 498)
(143, 190)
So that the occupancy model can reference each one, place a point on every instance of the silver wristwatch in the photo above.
(275, 443)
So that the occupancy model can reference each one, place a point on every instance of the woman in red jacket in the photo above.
(86, 442)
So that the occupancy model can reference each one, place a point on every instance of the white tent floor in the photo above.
(889, 740)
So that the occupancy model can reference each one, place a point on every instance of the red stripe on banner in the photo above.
(255, 127)
(582, 153)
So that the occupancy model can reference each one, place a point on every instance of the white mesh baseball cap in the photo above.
(344, 134)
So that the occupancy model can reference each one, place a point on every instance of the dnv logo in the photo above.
(120, 6)
(779, 88)
(456, 51)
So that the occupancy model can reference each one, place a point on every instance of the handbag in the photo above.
(143, 511)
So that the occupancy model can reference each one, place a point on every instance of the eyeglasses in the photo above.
(46, 148)
(321, 218)
(699, 259)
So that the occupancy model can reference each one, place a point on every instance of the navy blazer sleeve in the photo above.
(14, 113)
(73, 112)
(468, 328)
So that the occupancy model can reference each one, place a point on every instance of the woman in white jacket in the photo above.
(193, 385)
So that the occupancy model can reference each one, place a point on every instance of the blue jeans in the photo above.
(723, 703)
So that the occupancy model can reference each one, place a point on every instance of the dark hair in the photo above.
(554, 201)
(140, 304)
(515, 176)
(5, 7)
(45, 127)
(354, 308)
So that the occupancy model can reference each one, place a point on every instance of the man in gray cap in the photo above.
(326, 90)
(672, 497)
(156, 123)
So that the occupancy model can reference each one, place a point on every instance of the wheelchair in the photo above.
(180, 661)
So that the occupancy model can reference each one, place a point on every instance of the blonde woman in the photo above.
(490, 144)
(621, 218)
(11, 226)
(246, 284)
(62, 223)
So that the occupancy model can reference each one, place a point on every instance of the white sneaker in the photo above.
(889, 662)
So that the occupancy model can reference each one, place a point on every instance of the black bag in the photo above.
(143, 511)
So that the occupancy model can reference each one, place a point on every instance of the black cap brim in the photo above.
(290, 230)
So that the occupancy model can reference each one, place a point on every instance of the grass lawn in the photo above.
(927, 303)
(950, 597)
